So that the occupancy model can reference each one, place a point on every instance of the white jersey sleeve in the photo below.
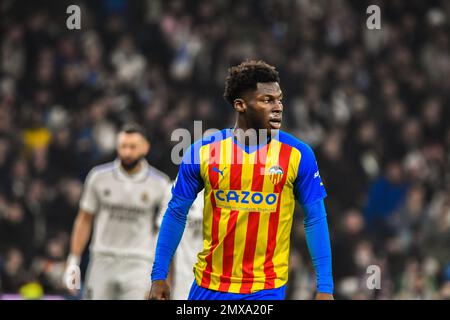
(164, 202)
(89, 201)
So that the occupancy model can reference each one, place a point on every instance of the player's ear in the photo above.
(240, 105)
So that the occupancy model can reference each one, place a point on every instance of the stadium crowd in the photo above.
(372, 103)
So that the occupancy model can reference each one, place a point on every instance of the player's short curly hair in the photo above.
(244, 78)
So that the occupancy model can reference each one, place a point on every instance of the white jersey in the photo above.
(125, 207)
(190, 245)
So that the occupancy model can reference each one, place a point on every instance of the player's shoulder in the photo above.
(157, 174)
(192, 153)
(102, 170)
(295, 142)
(215, 136)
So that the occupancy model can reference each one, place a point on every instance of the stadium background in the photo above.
(372, 103)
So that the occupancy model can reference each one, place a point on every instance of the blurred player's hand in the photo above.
(72, 275)
(160, 290)
(324, 296)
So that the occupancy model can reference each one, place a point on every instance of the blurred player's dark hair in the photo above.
(133, 128)
(244, 78)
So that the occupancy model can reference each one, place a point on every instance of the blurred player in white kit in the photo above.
(119, 201)
(190, 245)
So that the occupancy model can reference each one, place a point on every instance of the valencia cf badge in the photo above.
(275, 174)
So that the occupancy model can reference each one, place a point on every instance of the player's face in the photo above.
(264, 107)
(131, 148)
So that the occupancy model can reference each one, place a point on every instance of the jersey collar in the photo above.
(251, 149)
(136, 177)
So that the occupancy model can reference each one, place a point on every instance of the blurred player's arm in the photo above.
(310, 192)
(81, 232)
(184, 192)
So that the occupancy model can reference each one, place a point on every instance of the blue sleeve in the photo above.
(318, 241)
(308, 186)
(184, 192)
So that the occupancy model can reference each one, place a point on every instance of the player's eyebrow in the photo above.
(263, 95)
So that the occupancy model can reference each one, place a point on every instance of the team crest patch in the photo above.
(276, 174)
(144, 197)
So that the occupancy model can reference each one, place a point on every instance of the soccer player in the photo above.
(250, 187)
(120, 200)
(190, 245)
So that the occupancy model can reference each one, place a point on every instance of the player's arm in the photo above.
(309, 191)
(80, 234)
(318, 242)
(167, 195)
(184, 192)
(80, 237)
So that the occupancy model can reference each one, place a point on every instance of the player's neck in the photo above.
(247, 135)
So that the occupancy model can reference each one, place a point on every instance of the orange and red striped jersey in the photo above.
(249, 199)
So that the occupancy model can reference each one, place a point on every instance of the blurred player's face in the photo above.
(131, 148)
(263, 107)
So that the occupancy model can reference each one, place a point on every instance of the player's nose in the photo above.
(278, 107)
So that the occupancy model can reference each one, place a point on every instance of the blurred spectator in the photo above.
(385, 196)
(15, 229)
(416, 284)
(50, 268)
(349, 234)
(13, 272)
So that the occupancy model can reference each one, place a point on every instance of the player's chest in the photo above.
(248, 173)
(127, 194)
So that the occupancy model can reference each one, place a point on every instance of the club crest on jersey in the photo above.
(144, 197)
(275, 174)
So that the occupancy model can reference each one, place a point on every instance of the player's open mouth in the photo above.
(275, 123)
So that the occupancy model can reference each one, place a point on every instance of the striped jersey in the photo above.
(249, 199)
